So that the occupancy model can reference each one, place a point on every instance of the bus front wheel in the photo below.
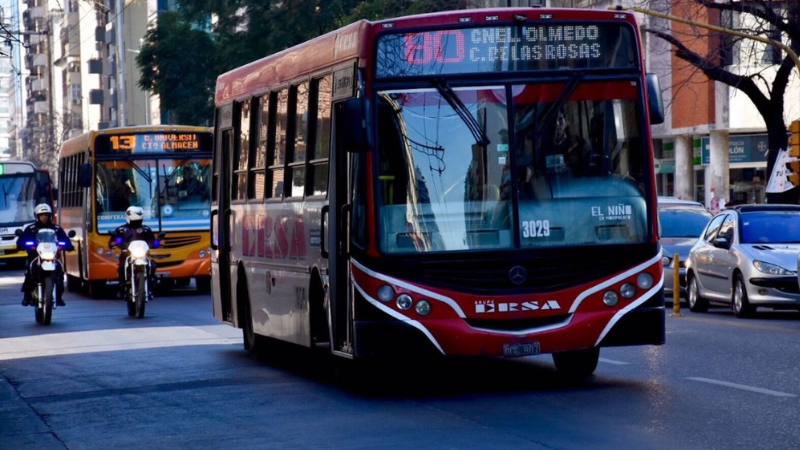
(577, 363)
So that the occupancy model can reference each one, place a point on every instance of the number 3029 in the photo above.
(535, 228)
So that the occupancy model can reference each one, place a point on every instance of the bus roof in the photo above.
(10, 167)
(346, 43)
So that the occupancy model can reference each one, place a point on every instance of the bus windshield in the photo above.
(454, 174)
(178, 189)
(19, 194)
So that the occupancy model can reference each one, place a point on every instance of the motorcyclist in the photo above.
(133, 230)
(44, 220)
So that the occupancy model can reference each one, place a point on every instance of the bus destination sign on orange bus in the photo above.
(153, 143)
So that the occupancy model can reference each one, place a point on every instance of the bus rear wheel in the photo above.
(253, 343)
(577, 363)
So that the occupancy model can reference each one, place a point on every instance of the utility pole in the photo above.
(120, 64)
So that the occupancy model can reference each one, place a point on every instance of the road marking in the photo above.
(742, 387)
(742, 324)
(614, 362)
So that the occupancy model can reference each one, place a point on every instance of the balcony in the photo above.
(39, 85)
(40, 107)
(39, 60)
(73, 78)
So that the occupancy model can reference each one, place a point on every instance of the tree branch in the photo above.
(717, 73)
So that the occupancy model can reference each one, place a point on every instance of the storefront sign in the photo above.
(741, 149)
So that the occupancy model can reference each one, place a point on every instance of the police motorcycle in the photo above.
(43, 272)
(137, 273)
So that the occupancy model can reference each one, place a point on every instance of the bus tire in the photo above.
(318, 316)
(203, 284)
(253, 343)
(96, 288)
(73, 283)
(577, 363)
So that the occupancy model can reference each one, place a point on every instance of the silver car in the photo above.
(746, 258)
(681, 222)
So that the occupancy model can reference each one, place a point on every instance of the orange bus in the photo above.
(469, 183)
(163, 169)
(22, 187)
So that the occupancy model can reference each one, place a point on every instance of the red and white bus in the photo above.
(474, 183)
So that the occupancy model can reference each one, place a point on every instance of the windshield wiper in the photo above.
(461, 109)
(568, 89)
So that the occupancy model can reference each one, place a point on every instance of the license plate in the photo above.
(517, 350)
(163, 274)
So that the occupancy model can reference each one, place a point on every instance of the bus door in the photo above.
(221, 227)
(337, 240)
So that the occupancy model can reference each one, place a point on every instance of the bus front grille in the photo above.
(501, 276)
(182, 241)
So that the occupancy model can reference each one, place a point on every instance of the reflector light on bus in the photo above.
(404, 302)
(610, 298)
(627, 290)
(385, 293)
(644, 280)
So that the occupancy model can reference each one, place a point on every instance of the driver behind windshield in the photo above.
(44, 221)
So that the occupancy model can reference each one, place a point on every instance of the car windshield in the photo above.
(18, 196)
(773, 227)
(677, 223)
(454, 174)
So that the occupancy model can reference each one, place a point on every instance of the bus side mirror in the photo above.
(85, 175)
(354, 129)
(655, 103)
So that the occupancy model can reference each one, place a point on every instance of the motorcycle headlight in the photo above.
(771, 269)
(138, 249)
(47, 251)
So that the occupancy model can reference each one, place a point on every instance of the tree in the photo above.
(178, 63)
(44, 142)
(764, 86)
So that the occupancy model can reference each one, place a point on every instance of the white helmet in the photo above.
(42, 208)
(134, 213)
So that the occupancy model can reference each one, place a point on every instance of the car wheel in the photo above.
(741, 305)
(696, 302)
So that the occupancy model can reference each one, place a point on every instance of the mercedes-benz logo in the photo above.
(517, 275)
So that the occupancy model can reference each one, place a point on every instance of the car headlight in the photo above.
(771, 269)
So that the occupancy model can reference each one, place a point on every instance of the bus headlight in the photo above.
(666, 261)
(202, 254)
(644, 280)
(423, 308)
(101, 251)
(627, 290)
(385, 293)
(610, 298)
(404, 302)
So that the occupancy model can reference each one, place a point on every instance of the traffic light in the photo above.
(794, 152)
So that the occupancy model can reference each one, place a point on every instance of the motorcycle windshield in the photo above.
(46, 236)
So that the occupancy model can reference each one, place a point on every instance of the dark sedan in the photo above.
(681, 223)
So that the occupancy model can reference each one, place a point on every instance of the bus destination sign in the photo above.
(492, 49)
(153, 143)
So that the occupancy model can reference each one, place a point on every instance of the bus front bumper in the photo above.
(386, 336)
